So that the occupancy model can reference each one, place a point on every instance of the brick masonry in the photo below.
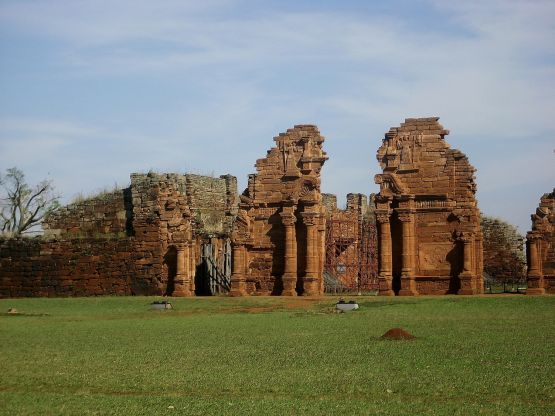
(144, 239)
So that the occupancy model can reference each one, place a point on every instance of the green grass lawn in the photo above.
(242, 356)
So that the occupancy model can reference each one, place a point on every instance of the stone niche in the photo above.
(429, 236)
(279, 232)
(540, 247)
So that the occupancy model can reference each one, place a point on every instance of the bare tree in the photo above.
(23, 207)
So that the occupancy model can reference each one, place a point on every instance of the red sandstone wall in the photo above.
(106, 214)
(77, 267)
(124, 242)
(431, 189)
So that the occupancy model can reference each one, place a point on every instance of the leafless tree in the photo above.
(22, 207)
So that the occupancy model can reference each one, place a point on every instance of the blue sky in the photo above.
(95, 90)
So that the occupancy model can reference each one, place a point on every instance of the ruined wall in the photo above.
(429, 224)
(109, 213)
(329, 201)
(278, 238)
(213, 203)
(140, 240)
(351, 252)
(541, 248)
(78, 267)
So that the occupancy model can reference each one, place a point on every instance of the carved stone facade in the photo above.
(541, 248)
(429, 234)
(278, 238)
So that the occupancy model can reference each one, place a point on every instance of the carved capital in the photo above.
(382, 217)
(309, 218)
(288, 219)
(533, 237)
(466, 239)
(405, 217)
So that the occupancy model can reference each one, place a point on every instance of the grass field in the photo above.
(278, 356)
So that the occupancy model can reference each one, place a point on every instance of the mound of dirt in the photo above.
(397, 334)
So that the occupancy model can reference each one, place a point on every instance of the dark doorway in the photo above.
(454, 259)
(170, 263)
(396, 252)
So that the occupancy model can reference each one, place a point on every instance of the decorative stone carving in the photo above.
(427, 190)
(282, 206)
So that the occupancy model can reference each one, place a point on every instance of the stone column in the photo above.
(385, 279)
(479, 265)
(182, 284)
(534, 276)
(408, 284)
(311, 283)
(322, 258)
(467, 277)
(238, 273)
(289, 277)
(192, 266)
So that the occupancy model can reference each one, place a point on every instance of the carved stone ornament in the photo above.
(288, 219)
(382, 218)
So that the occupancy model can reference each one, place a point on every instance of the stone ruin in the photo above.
(351, 262)
(146, 239)
(278, 240)
(540, 246)
(168, 233)
(429, 223)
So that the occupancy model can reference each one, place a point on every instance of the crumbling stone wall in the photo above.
(107, 214)
(278, 238)
(540, 252)
(213, 202)
(77, 267)
(145, 239)
(351, 252)
(429, 224)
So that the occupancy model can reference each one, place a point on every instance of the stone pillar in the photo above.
(408, 284)
(238, 273)
(467, 277)
(290, 259)
(385, 279)
(322, 258)
(192, 266)
(311, 282)
(534, 277)
(479, 265)
(182, 283)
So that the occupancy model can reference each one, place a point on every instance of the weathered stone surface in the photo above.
(428, 220)
(541, 248)
(351, 261)
(144, 239)
(278, 239)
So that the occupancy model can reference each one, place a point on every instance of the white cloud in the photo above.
(489, 77)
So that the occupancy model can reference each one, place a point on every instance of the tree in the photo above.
(23, 207)
(504, 259)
